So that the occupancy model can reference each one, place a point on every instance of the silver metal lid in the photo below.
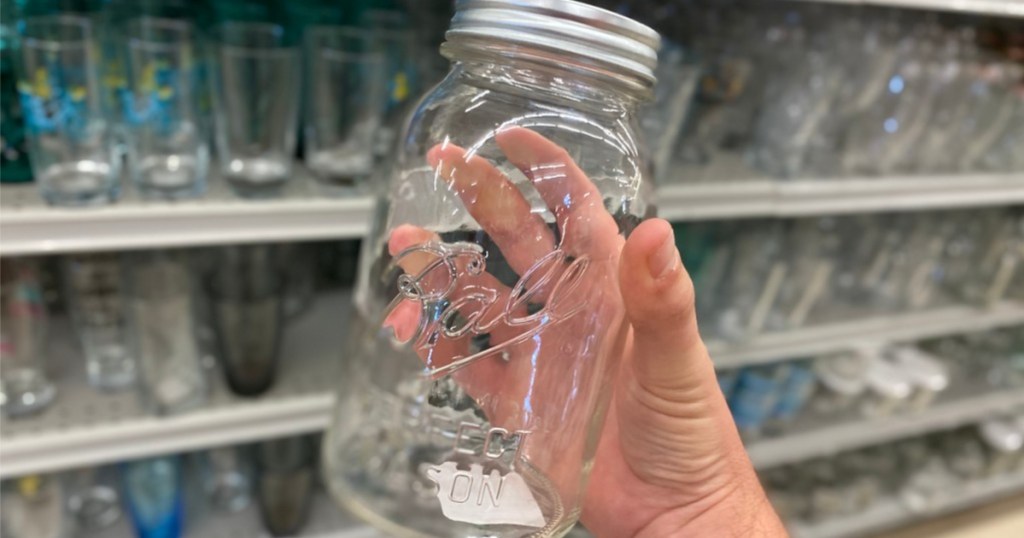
(596, 35)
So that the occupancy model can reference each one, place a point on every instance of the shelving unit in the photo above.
(888, 513)
(305, 212)
(829, 438)
(86, 427)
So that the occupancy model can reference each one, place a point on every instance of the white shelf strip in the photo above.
(1001, 8)
(767, 198)
(827, 439)
(304, 212)
(839, 336)
(889, 513)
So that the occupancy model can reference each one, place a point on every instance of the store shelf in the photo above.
(1002, 8)
(827, 438)
(85, 427)
(830, 337)
(304, 212)
(889, 513)
(768, 198)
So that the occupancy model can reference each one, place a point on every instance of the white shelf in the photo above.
(798, 198)
(302, 213)
(889, 513)
(830, 337)
(1002, 8)
(84, 427)
(829, 437)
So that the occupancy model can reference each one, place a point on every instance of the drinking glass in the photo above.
(153, 488)
(286, 475)
(26, 388)
(96, 299)
(161, 308)
(256, 79)
(70, 143)
(168, 152)
(344, 100)
(247, 308)
(227, 478)
(397, 39)
(93, 498)
(33, 507)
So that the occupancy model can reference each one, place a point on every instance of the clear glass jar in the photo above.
(489, 319)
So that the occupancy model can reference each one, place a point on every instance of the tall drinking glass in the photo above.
(286, 478)
(153, 488)
(397, 39)
(247, 309)
(167, 148)
(161, 309)
(256, 79)
(72, 154)
(344, 100)
(26, 388)
(96, 296)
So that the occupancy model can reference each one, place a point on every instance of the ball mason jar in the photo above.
(489, 321)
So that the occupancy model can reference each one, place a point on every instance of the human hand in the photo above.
(670, 461)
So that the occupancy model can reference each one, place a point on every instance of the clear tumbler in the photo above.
(162, 311)
(256, 83)
(344, 103)
(70, 145)
(168, 152)
(97, 296)
(488, 315)
(26, 388)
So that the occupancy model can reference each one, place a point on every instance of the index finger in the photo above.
(586, 225)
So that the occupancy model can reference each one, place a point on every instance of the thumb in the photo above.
(669, 357)
(670, 405)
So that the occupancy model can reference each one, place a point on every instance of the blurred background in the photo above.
(179, 245)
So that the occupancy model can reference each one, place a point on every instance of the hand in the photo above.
(670, 461)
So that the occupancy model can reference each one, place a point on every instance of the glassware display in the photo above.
(491, 276)
(167, 145)
(73, 157)
(345, 95)
(162, 313)
(27, 387)
(286, 477)
(257, 77)
(758, 276)
(154, 492)
(97, 298)
(919, 472)
(246, 293)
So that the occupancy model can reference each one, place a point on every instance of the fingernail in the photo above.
(664, 259)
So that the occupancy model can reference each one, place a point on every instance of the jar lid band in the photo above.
(589, 32)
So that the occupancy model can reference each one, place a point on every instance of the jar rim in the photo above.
(590, 33)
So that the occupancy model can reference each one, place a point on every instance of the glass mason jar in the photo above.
(489, 319)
